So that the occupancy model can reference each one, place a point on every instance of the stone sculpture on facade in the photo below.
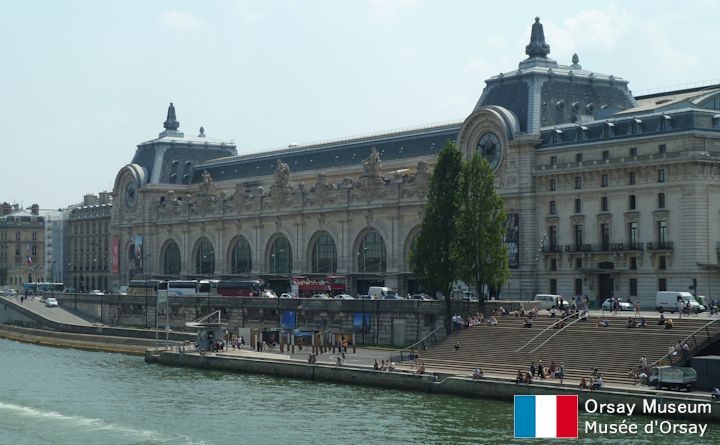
(371, 182)
(322, 192)
(280, 190)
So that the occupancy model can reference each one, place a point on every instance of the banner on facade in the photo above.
(115, 257)
(512, 239)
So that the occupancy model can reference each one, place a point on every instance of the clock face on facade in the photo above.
(131, 195)
(490, 147)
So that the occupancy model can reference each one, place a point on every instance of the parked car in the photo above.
(286, 295)
(548, 301)
(393, 296)
(96, 292)
(51, 302)
(321, 296)
(624, 305)
(422, 297)
(364, 297)
(344, 297)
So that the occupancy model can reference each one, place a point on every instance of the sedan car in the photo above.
(96, 292)
(344, 297)
(422, 297)
(51, 302)
(624, 305)
(321, 296)
(286, 295)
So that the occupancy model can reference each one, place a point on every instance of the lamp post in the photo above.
(210, 270)
(147, 278)
(52, 279)
(541, 249)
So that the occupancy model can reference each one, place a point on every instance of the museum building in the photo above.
(606, 193)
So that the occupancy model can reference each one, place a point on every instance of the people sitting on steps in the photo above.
(584, 383)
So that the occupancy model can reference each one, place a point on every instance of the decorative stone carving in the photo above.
(371, 182)
(280, 190)
(373, 166)
(172, 206)
(322, 192)
(420, 182)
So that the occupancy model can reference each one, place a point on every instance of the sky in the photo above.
(84, 82)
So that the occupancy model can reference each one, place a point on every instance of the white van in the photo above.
(382, 293)
(667, 300)
(547, 301)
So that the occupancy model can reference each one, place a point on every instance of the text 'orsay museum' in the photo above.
(606, 193)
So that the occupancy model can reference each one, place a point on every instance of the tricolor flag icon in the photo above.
(546, 417)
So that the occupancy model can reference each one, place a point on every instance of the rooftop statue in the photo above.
(282, 174)
(372, 164)
(171, 123)
(537, 46)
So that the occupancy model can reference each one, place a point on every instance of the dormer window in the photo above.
(581, 132)
(608, 129)
(555, 136)
(665, 122)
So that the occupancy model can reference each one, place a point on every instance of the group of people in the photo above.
(554, 371)
(478, 319)
(383, 365)
(592, 383)
(666, 322)
(636, 322)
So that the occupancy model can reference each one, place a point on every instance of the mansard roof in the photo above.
(340, 154)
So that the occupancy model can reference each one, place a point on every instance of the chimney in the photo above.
(104, 197)
(90, 200)
(35, 209)
(5, 209)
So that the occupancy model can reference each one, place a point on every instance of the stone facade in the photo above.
(608, 194)
(22, 245)
(88, 267)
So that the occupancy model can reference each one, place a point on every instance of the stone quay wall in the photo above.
(500, 389)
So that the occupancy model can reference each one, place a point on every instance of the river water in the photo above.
(66, 396)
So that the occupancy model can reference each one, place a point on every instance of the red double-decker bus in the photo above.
(304, 286)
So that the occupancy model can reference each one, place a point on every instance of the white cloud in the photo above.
(180, 21)
(603, 29)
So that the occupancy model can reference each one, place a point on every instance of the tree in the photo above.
(430, 252)
(478, 251)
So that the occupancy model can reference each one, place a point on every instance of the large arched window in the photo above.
(281, 256)
(241, 258)
(324, 255)
(205, 258)
(171, 259)
(371, 254)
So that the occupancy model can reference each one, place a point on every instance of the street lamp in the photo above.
(144, 257)
(211, 271)
(52, 279)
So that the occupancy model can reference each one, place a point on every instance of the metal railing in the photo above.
(420, 345)
(707, 339)
(580, 317)
(552, 326)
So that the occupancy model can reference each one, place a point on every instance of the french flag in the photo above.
(546, 417)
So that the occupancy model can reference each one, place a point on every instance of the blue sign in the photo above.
(288, 319)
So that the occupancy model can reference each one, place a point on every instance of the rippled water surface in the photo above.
(66, 396)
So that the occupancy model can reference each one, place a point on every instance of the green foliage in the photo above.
(430, 252)
(478, 252)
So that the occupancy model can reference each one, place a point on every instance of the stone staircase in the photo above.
(614, 350)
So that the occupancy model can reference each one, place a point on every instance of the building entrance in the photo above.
(606, 284)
